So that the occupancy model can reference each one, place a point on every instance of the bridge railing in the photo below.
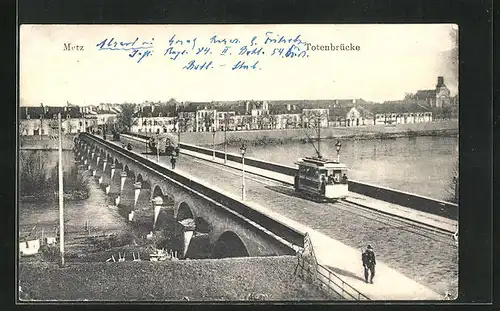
(275, 226)
(322, 275)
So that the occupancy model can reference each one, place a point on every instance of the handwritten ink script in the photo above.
(206, 53)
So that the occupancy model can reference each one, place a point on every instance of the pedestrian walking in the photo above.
(369, 262)
(172, 161)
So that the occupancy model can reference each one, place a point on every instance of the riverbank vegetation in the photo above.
(267, 140)
(453, 192)
(39, 182)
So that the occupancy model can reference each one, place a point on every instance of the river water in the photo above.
(421, 165)
(33, 217)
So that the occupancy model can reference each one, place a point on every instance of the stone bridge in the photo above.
(137, 185)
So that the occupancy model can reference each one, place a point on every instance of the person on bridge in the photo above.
(369, 262)
(172, 161)
(344, 179)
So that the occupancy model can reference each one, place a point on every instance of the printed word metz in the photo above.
(69, 47)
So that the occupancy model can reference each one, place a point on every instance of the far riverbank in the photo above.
(265, 137)
(45, 142)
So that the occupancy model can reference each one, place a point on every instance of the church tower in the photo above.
(442, 93)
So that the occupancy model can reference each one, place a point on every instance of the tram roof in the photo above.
(321, 162)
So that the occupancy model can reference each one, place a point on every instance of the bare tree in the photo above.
(273, 119)
(261, 121)
(409, 96)
(22, 128)
(208, 121)
(314, 118)
(32, 170)
(126, 118)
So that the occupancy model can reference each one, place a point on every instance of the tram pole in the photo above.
(225, 138)
(319, 136)
(178, 130)
(243, 150)
(213, 142)
(61, 196)
(158, 148)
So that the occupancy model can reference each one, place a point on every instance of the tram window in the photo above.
(344, 177)
(307, 173)
(322, 174)
(310, 172)
(337, 176)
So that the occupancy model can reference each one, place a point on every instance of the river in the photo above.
(421, 165)
(45, 215)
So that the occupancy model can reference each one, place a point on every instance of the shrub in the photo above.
(37, 181)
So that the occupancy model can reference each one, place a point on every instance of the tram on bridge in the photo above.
(321, 178)
(165, 142)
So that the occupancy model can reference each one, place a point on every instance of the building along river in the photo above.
(422, 165)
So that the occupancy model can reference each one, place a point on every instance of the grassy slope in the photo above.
(226, 279)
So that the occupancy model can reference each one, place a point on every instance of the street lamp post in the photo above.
(61, 195)
(243, 149)
(178, 130)
(338, 146)
(226, 122)
(158, 147)
(213, 143)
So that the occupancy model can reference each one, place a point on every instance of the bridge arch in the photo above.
(139, 178)
(184, 212)
(130, 172)
(118, 164)
(228, 245)
(157, 191)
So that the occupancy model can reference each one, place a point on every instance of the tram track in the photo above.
(424, 230)
(409, 225)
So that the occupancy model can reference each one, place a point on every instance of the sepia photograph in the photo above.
(238, 163)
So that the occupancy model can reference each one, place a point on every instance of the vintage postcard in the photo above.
(238, 163)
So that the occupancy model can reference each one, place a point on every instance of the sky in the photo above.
(392, 60)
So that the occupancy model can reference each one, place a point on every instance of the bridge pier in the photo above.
(188, 228)
(104, 164)
(126, 194)
(157, 206)
(114, 181)
(137, 192)
(123, 178)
